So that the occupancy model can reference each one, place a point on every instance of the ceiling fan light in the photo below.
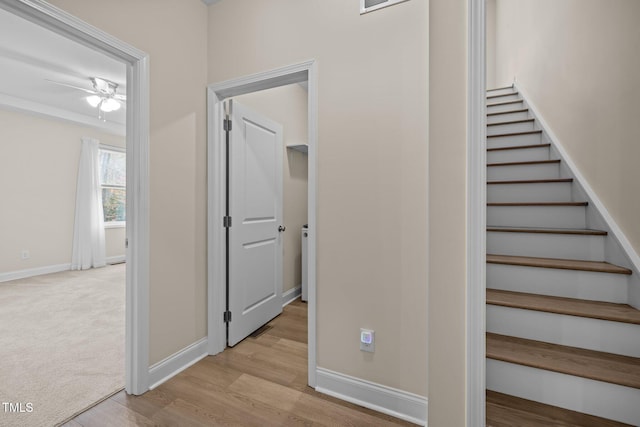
(109, 105)
(94, 100)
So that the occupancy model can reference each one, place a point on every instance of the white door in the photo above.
(255, 235)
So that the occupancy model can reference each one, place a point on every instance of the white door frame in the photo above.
(137, 294)
(216, 170)
(476, 212)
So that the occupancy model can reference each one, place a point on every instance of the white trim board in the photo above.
(476, 214)
(216, 167)
(397, 403)
(177, 362)
(42, 13)
(31, 272)
(291, 295)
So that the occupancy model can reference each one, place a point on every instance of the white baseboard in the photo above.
(291, 295)
(38, 271)
(118, 259)
(397, 403)
(176, 363)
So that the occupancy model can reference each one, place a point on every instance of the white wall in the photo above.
(372, 173)
(38, 175)
(578, 61)
(491, 43)
(287, 105)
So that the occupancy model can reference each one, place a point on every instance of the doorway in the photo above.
(217, 93)
(137, 136)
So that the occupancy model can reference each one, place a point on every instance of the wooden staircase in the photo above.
(563, 345)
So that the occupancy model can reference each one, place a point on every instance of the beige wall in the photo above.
(174, 34)
(491, 43)
(372, 205)
(447, 207)
(578, 61)
(287, 105)
(38, 175)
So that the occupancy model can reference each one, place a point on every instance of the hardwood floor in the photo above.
(509, 411)
(259, 382)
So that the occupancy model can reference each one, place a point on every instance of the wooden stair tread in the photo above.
(560, 305)
(594, 365)
(513, 122)
(562, 264)
(573, 231)
(500, 88)
(537, 203)
(531, 162)
(504, 410)
(500, 96)
(519, 147)
(505, 103)
(528, 132)
(531, 181)
(523, 110)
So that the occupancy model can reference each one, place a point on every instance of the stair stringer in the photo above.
(618, 249)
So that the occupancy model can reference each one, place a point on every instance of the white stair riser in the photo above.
(543, 245)
(503, 97)
(504, 107)
(514, 140)
(501, 91)
(498, 118)
(597, 398)
(534, 192)
(537, 216)
(519, 155)
(523, 172)
(510, 128)
(573, 331)
(593, 286)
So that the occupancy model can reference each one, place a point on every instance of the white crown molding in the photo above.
(30, 107)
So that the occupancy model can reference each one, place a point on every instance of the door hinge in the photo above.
(226, 222)
(227, 316)
(227, 125)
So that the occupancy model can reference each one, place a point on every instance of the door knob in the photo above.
(282, 228)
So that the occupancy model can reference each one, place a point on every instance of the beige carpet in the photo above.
(61, 343)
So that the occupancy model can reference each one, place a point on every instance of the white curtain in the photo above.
(88, 229)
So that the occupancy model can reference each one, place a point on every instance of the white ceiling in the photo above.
(30, 54)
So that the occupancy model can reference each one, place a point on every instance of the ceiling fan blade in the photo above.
(93, 92)
(120, 97)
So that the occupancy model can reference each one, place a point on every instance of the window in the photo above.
(113, 181)
(371, 5)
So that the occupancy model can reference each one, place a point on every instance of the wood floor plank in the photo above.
(506, 411)
(262, 381)
(563, 264)
(569, 306)
(595, 365)
(111, 414)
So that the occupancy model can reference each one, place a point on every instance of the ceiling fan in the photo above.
(103, 96)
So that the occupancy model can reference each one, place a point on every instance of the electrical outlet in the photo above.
(25, 254)
(367, 340)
